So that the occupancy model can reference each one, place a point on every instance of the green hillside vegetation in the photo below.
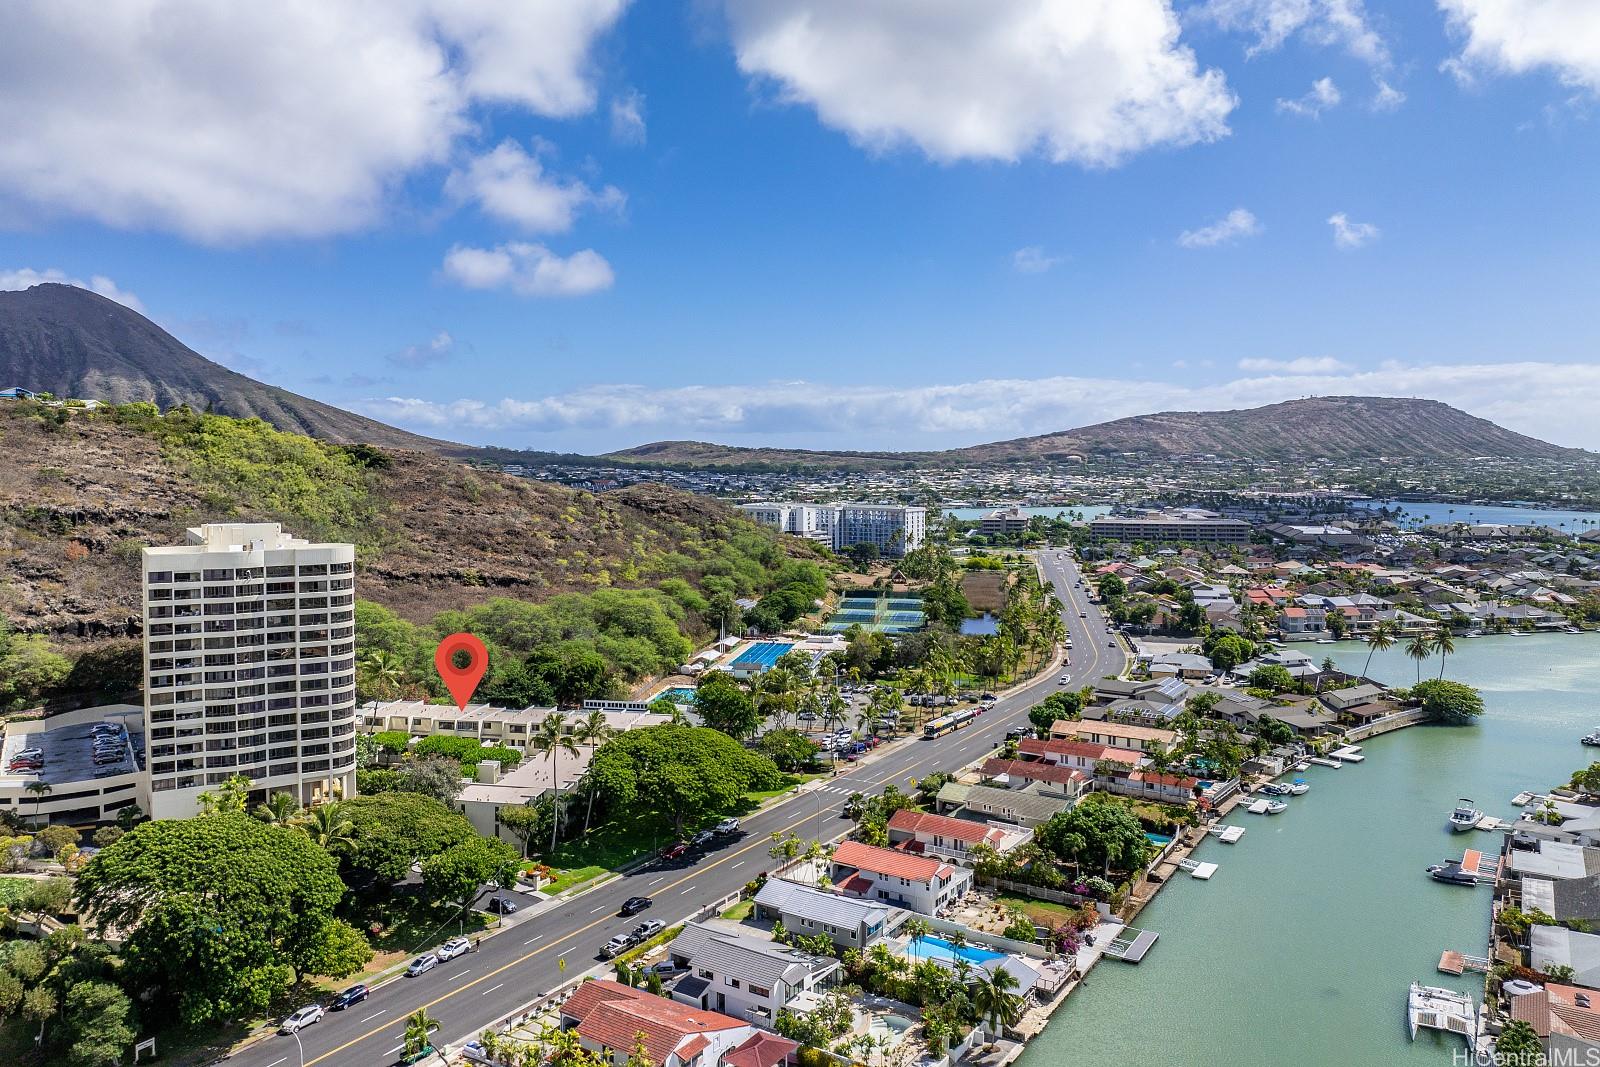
(577, 590)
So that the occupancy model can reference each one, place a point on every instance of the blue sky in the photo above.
(585, 224)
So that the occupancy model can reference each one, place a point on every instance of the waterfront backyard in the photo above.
(1300, 949)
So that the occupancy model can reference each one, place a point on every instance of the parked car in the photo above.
(1018, 733)
(354, 995)
(456, 946)
(989, 697)
(500, 905)
(616, 946)
(665, 967)
(648, 929)
(728, 826)
(675, 851)
(634, 905)
(301, 1019)
(703, 838)
(422, 965)
(807, 716)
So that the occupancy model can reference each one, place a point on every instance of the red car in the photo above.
(675, 851)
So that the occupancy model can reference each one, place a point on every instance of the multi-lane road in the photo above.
(538, 953)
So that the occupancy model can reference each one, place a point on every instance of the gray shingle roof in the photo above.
(818, 906)
(748, 959)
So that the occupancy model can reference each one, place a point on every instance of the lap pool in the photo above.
(935, 948)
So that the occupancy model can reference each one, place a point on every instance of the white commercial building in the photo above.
(894, 528)
(249, 665)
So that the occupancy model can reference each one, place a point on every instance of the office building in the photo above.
(1194, 529)
(249, 665)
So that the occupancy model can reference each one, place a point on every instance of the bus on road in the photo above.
(946, 723)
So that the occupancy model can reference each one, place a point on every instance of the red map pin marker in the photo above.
(461, 681)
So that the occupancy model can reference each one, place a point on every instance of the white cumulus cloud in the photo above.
(511, 184)
(627, 118)
(1032, 260)
(1342, 23)
(1302, 365)
(1231, 227)
(27, 278)
(528, 269)
(1084, 81)
(1519, 36)
(1351, 235)
(235, 122)
(1322, 95)
(1530, 396)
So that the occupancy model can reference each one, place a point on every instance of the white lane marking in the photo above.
(458, 974)
(368, 1019)
(532, 939)
(653, 881)
(739, 864)
(275, 1063)
(392, 1051)
(491, 989)
(686, 889)
(600, 908)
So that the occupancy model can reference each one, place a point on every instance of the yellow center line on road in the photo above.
(695, 873)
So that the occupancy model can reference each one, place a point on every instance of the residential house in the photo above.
(1018, 772)
(610, 1018)
(743, 976)
(1557, 946)
(1119, 735)
(1565, 1019)
(1030, 805)
(1186, 665)
(943, 837)
(847, 922)
(916, 882)
(1078, 755)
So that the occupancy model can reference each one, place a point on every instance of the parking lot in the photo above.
(68, 752)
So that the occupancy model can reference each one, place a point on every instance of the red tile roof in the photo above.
(1294, 613)
(921, 822)
(1051, 747)
(612, 1015)
(888, 861)
(761, 1050)
(1032, 771)
(1164, 779)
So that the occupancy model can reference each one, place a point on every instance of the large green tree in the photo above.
(681, 773)
(218, 909)
(391, 831)
(1103, 834)
(458, 873)
(1452, 702)
(724, 705)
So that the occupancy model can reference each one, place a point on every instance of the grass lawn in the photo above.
(407, 924)
(1039, 912)
(740, 911)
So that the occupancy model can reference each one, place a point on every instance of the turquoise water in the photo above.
(678, 694)
(1419, 514)
(1299, 950)
(1159, 839)
(935, 948)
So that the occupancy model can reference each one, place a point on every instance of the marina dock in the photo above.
(1229, 835)
(1197, 869)
(1456, 963)
(1348, 754)
(1258, 807)
(1323, 761)
(1132, 944)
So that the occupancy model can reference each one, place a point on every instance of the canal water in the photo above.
(1415, 513)
(1299, 950)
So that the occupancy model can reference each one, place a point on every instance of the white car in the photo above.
(452, 948)
(728, 826)
(301, 1019)
(421, 965)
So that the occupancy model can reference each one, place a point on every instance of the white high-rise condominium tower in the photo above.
(249, 665)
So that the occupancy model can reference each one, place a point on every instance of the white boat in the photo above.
(1436, 1008)
(1465, 817)
(1277, 807)
(1300, 787)
(1275, 789)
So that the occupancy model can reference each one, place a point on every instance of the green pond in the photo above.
(1299, 950)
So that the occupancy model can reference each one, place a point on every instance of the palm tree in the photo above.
(328, 826)
(594, 731)
(419, 1024)
(383, 674)
(1445, 645)
(917, 929)
(279, 809)
(1419, 649)
(1380, 639)
(995, 1002)
(550, 740)
(39, 790)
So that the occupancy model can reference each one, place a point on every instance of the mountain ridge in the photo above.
(1339, 428)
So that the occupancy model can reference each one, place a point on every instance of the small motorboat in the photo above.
(1277, 807)
(1274, 789)
(1591, 738)
(1465, 817)
(1451, 873)
(1300, 787)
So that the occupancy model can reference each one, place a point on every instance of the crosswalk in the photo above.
(841, 790)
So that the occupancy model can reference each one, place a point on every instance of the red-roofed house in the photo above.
(609, 1018)
(947, 837)
(916, 882)
(1078, 755)
(1298, 620)
(1065, 779)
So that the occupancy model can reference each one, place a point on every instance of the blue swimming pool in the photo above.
(678, 694)
(935, 948)
(762, 654)
(1159, 839)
